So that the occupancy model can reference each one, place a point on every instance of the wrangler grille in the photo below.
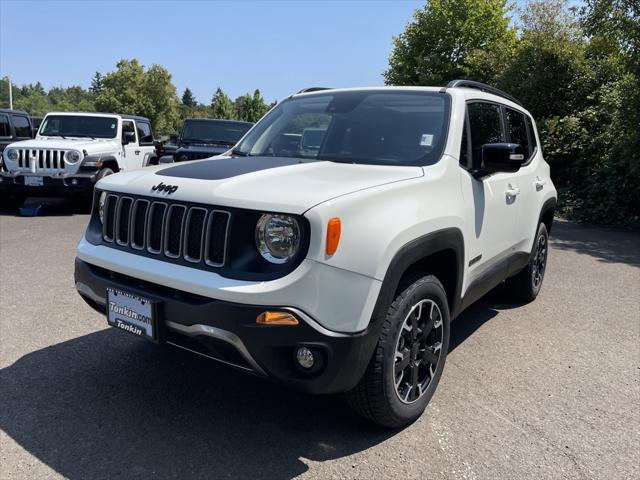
(49, 161)
(171, 230)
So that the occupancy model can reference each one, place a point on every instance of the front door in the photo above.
(131, 153)
(494, 198)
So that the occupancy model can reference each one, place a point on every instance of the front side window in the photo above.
(485, 122)
(128, 127)
(144, 133)
(372, 127)
(79, 126)
(214, 132)
(21, 126)
(517, 128)
(5, 130)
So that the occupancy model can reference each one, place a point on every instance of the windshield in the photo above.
(374, 127)
(211, 131)
(79, 126)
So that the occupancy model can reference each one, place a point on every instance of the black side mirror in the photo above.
(502, 157)
(173, 138)
(128, 137)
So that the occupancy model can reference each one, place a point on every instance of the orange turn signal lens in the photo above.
(276, 318)
(333, 235)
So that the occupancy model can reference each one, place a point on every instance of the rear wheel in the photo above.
(526, 285)
(409, 357)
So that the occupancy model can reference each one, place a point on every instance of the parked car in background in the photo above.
(72, 151)
(331, 247)
(35, 124)
(15, 125)
(203, 138)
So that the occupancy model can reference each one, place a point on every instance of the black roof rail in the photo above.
(483, 87)
(313, 89)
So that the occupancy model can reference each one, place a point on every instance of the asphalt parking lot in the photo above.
(546, 390)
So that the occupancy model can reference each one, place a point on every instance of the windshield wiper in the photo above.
(239, 153)
(329, 158)
(84, 136)
(53, 135)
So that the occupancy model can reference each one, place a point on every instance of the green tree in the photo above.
(132, 90)
(96, 83)
(451, 39)
(222, 106)
(251, 108)
(188, 100)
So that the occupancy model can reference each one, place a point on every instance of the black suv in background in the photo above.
(14, 125)
(204, 138)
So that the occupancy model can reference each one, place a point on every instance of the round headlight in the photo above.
(73, 156)
(101, 202)
(12, 154)
(277, 237)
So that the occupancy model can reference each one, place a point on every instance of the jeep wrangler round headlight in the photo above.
(12, 154)
(277, 237)
(72, 156)
(101, 202)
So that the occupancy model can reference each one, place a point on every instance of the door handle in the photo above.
(539, 184)
(137, 152)
(512, 192)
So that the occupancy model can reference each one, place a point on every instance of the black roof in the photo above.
(132, 117)
(219, 120)
(8, 110)
(483, 87)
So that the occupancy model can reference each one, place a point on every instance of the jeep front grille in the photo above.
(171, 230)
(46, 161)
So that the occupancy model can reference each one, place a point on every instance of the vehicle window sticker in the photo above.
(426, 140)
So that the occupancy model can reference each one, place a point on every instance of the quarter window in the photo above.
(21, 126)
(5, 131)
(485, 121)
(145, 137)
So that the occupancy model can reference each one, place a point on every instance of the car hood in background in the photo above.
(80, 144)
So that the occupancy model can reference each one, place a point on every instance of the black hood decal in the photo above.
(219, 169)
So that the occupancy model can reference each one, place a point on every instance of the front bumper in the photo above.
(59, 184)
(228, 332)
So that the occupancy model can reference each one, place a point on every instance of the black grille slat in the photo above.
(194, 232)
(191, 234)
(139, 223)
(216, 238)
(173, 230)
(110, 218)
(123, 220)
(155, 227)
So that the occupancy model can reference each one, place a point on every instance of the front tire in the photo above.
(526, 285)
(409, 358)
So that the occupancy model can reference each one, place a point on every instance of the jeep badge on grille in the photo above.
(161, 187)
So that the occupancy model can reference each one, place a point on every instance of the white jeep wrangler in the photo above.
(72, 151)
(337, 265)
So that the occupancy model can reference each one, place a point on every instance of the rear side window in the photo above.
(485, 122)
(21, 126)
(517, 129)
(5, 131)
(145, 137)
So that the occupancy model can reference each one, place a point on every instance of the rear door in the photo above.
(492, 200)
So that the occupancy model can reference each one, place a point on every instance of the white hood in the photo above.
(92, 147)
(257, 183)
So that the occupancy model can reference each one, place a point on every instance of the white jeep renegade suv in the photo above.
(331, 248)
(72, 151)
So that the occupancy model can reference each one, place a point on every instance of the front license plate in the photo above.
(131, 313)
(33, 181)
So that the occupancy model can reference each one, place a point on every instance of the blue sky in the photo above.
(277, 46)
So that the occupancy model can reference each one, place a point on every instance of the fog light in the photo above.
(74, 181)
(305, 358)
(276, 318)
